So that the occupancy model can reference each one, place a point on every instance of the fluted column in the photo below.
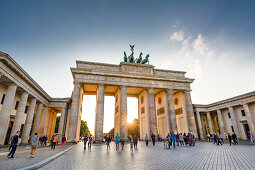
(6, 111)
(171, 109)
(152, 111)
(221, 123)
(190, 113)
(47, 122)
(234, 122)
(43, 121)
(37, 119)
(61, 123)
(185, 114)
(51, 115)
(248, 117)
(201, 135)
(28, 122)
(74, 133)
(209, 122)
(19, 114)
(123, 111)
(99, 116)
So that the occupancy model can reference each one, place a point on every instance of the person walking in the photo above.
(90, 142)
(117, 140)
(178, 139)
(181, 139)
(173, 138)
(230, 139)
(234, 138)
(146, 140)
(185, 139)
(14, 144)
(108, 141)
(34, 145)
(131, 144)
(153, 138)
(63, 140)
(135, 141)
(85, 140)
(122, 140)
(54, 141)
(251, 137)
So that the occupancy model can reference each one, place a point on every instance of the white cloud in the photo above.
(177, 36)
(200, 46)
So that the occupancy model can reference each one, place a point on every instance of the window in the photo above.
(16, 105)
(26, 109)
(243, 112)
(232, 128)
(229, 115)
(2, 101)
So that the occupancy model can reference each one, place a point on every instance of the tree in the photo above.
(133, 128)
(84, 129)
(111, 132)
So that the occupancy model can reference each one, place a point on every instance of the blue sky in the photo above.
(214, 41)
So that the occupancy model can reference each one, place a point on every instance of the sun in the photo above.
(130, 119)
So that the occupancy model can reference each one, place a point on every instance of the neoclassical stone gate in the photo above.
(164, 100)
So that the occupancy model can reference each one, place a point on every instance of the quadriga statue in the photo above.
(139, 59)
(125, 57)
(146, 60)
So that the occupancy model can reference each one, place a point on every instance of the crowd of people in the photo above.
(35, 141)
(171, 139)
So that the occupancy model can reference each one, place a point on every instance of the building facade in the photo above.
(164, 103)
(233, 115)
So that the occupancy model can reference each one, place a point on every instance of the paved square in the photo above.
(202, 156)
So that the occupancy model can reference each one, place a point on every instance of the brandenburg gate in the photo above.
(164, 101)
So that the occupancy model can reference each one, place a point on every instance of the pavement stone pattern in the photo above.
(204, 155)
(22, 156)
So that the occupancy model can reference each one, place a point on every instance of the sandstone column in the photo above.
(152, 112)
(209, 122)
(51, 113)
(221, 123)
(47, 122)
(43, 122)
(29, 120)
(6, 111)
(99, 116)
(190, 114)
(171, 109)
(248, 117)
(123, 111)
(185, 114)
(73, 132)
(61, 123)
(37, 119)
(19, 114)
(234, 122)
(201, 135)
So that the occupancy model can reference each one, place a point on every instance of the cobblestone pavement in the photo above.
(22, 156)
(202, 156)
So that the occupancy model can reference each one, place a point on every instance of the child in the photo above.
(166, 144)
(108, 140)
(131, 144)
(169, 142)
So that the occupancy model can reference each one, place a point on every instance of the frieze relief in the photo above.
(137, 69)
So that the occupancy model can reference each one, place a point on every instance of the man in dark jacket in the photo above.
(14, 145)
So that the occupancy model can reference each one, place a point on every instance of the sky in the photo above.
(213, 41)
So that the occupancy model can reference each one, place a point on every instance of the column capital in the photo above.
(151, 90)
(123, 86)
